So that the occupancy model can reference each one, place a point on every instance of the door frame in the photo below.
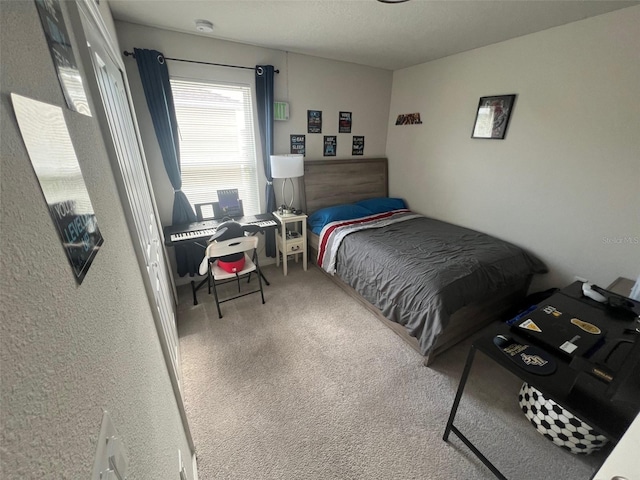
(89, 10)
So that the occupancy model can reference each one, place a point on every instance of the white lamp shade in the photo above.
(287, 165)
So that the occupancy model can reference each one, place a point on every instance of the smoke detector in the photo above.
(204, 26)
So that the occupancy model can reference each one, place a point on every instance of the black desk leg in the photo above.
(454, 409)
(461, 385)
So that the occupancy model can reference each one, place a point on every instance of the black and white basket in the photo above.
(557, 424)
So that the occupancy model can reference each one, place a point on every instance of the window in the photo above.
(217, 144)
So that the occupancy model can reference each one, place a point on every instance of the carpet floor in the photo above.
(311, 385)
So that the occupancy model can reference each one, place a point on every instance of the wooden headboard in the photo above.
(334, 182)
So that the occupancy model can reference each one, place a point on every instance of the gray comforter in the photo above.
(420, 271)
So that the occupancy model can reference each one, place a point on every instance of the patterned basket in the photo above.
(557, 424)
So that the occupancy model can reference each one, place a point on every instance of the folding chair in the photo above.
(218, 276)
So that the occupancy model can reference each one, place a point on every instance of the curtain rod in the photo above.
(131, 54)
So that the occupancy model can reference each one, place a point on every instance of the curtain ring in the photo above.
(160, 59)
(259, 70)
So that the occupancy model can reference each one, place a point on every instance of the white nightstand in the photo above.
(291, 242)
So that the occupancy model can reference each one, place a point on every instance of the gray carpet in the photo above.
(312, 386)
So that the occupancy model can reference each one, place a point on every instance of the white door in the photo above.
(118, 113)
(132, 178)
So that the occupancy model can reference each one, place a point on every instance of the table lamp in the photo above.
(287, 166)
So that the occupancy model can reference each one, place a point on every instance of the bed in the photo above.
(431, 282)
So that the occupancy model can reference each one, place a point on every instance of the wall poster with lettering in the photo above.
(54, 161)
(64, 60)
(358, 145)
(344, 122)
(330, 144)
(314, 121)
(298, 144)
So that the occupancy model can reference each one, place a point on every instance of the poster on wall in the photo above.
(64, 60)
(330, 144)
(344, 122)
(54, 161)
(314, 121)
(358, 145)
(298, 144)
(408, 119)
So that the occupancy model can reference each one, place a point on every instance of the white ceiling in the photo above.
(364, 31)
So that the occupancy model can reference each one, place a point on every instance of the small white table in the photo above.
(291, 242)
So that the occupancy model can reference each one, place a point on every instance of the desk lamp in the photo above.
(287, 166)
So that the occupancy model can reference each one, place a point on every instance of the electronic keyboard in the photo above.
(190, 232)
(263, 223)
(191, 235)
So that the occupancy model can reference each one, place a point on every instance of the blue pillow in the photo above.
(382, 204)
(317, 220)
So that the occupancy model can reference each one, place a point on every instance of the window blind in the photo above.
(217, 143)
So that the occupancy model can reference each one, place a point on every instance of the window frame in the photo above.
(260, 179)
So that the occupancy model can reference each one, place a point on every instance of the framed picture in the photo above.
(358, 145)
(492, 117)
(314, 121)
(330, 142)
(298, 144)
(344, 122)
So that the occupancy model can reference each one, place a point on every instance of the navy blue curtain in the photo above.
(157, 90)
(264, 98)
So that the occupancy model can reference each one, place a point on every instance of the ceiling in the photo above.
(365, 32)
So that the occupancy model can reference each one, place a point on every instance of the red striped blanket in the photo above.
(332, 234)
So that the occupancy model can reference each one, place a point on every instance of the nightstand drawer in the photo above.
(293, 246)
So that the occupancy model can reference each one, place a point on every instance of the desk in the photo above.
(580, 393)
(197, 232)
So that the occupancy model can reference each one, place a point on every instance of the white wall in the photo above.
(565, 183)
(69, 351)
(305, 82)
(321, 84)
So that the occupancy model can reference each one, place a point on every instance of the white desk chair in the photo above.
(219, 276)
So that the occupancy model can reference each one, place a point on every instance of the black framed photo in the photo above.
(344, 122)
(358, 145)
(314, 121)
(330, 143)
(492, 117)
(298, 144)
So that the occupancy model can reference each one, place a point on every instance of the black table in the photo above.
(587, 397)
